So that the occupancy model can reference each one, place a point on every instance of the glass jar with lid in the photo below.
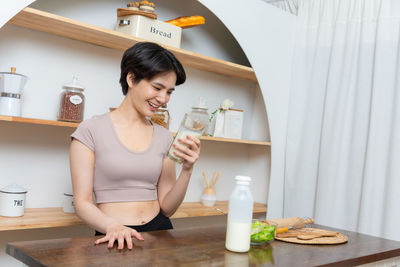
(161, 116)
(72, 102)
(200, 114)
(189, 126)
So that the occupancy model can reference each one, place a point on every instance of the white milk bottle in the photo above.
(240, 213)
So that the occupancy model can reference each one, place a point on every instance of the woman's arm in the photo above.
(171, 191)
(82, 166)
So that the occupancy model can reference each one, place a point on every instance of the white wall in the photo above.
(36, 156)
(267, 37)
(7, 10)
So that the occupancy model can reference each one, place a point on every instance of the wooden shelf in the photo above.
(74, 125)
(55, 217)
(61, 26)
(239, 141)
(38, 121)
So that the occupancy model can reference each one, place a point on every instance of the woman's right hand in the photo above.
(120, 233)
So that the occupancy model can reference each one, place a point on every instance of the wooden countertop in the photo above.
(203, 246)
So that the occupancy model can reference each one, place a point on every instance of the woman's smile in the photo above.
(153, 107)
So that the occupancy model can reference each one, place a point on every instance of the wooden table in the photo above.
(203, 246)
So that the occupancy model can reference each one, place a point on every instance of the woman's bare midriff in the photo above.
(131, 213)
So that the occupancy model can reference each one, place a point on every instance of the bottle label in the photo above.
(75, 99)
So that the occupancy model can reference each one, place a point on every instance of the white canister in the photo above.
(208, 200)
(10, 104)
(150, 29)
(68, 205)
(12, 201)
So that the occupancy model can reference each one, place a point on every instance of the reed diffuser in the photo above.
(208, 198)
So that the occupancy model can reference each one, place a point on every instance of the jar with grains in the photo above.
(72, 102)
(162, 117)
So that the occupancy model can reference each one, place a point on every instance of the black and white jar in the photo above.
(12, 201)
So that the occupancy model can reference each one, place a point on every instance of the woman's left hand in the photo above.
(188, 150)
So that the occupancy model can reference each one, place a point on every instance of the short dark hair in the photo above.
(146, 60)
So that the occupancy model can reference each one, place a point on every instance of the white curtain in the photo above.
(287, 5)
(343, 143)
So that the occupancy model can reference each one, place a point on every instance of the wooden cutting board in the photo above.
(291, 237)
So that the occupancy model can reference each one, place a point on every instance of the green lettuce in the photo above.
(262, 232)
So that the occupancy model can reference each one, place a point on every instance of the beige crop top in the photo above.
(122, 175)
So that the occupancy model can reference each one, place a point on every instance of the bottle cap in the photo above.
(201, 104)
(243, 180)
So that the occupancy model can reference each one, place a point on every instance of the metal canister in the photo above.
(12, 200)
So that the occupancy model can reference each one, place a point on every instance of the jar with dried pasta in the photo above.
(72, 102)
(162, 117)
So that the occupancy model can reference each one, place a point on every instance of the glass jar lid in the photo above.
(201, 104)
(74, 85)
(242, 180)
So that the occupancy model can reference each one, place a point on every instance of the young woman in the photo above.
(121, 155)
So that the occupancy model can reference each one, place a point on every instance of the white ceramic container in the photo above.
(208, 200)
(12, 201)
(150, 29)
(68, 205)
(11, 86)
(10, 104)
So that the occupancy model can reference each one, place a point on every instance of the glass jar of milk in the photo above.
(190, 125)
(240, 213)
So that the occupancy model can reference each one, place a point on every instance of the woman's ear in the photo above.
(130, 79)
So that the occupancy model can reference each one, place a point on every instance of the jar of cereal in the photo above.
(72, 102)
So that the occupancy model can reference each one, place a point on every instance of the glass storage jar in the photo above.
(188, 126)
(72, 102)
(199, 114)
(162, 117)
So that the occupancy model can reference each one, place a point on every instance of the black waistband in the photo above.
(160, 222)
